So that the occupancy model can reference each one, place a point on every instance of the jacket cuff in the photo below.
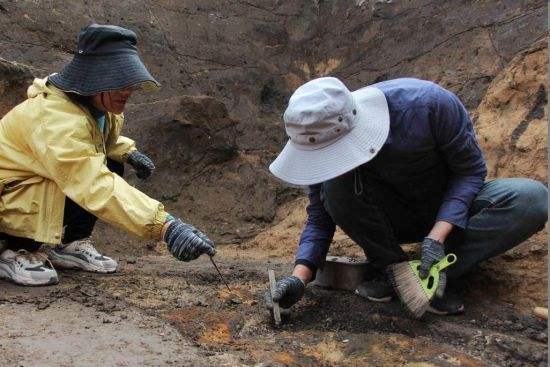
(158, 223)
(454, 212)
(124, 157)
(457, 222)
(311, 266)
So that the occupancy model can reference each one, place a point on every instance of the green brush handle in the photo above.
(448, 260)
(430, 283)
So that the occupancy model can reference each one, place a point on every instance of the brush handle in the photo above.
(272, 285)
(448, 260)
(541, 312)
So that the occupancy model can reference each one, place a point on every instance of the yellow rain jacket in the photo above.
(50, 148)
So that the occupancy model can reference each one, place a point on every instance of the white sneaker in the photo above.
(25, 268)
(81, 254)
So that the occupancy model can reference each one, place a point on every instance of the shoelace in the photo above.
(29, 258)
(85, 245)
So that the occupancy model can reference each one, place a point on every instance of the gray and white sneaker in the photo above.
(25, 268)
(81, 254)
(376, 290)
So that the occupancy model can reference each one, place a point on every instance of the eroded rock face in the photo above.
(250, 56)
(200, 174)
(194, 129)
(512, 119)
(14, 81)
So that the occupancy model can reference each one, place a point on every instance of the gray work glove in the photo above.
(187, 243)
(432, 252)
(288, 291)
(141, 163)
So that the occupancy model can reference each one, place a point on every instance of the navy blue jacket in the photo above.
(432, 141)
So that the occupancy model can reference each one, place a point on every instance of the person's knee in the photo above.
(532, 200)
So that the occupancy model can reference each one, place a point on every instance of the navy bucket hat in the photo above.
(106, 59)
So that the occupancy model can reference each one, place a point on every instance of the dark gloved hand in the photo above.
(432, 252)
(186, 242)
(141, 163)
(288, 291)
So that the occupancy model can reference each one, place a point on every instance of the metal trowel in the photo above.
(220, 274)
(275, 310)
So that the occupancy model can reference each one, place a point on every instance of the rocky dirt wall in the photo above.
(250, 55)
(512, 119)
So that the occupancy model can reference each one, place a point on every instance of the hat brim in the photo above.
(360, 145)
(88, 75)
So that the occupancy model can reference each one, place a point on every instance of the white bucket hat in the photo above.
(331, 131)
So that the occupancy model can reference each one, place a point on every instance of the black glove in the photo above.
(141, 163)
(186, 242)
(432, 252)
(288, 291)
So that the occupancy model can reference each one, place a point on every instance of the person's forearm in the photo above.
(316, 236)
(303, 273)
(440, 231)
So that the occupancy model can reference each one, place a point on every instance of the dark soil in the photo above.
(326, 328)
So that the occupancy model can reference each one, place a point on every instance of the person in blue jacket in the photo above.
(392, 163)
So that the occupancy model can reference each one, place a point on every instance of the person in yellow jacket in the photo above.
(61, 162)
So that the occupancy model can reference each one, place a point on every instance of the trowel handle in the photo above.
(448, 260)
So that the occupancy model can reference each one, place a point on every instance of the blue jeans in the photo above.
(505, 213)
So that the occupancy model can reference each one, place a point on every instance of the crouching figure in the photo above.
(392, 163)
(61, 164)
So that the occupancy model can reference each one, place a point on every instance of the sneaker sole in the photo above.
(373, 299)
(380, 300)
(16, 279)
(70, 262)
(445, 313)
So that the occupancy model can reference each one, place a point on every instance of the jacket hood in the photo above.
(39, 87)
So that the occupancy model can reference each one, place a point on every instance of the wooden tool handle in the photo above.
(276, 309)
(541, 312)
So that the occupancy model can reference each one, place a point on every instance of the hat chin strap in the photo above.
(103, 103)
